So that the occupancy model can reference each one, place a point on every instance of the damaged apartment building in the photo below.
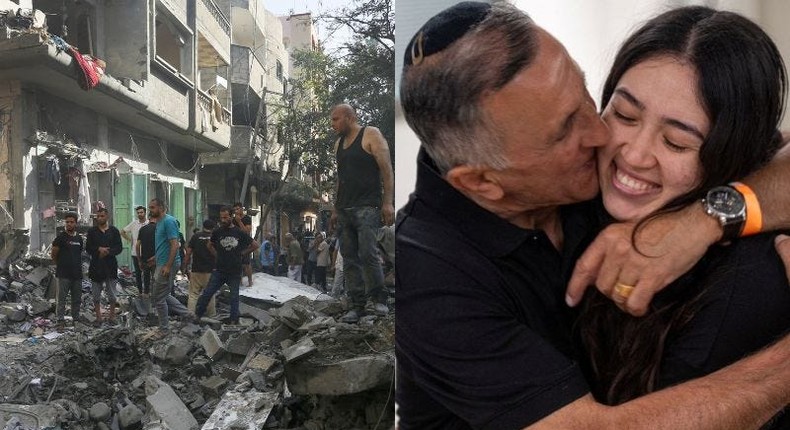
(108, 104)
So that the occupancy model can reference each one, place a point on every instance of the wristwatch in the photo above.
(728, 206)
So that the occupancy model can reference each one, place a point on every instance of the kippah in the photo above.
(443, 29)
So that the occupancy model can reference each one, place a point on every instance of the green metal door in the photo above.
(140, 186)
(122, 214)
(177, 204)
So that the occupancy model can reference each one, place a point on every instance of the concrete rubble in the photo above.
(289, 364)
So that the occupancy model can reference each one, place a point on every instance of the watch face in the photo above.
(726, 201)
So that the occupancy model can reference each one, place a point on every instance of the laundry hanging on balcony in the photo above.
(89, 68)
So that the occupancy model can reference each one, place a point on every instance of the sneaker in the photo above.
(381, 309)
(351, 317)
(159, 334)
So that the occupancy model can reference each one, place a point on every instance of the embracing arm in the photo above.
(744, 395)
(672, 244)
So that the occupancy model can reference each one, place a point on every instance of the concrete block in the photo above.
(14, 311)
(130, 417)
(254, 312)
(294, 314)
(240, 344)
(212, 344)
(214, 386)
(37, 276)
(38, 306)
(350, 376)
(100, 411)
(262, 363)
(236, 410)
(175, 351)
(165, 405)
(279, 333)
(317, 324)
(299, 350)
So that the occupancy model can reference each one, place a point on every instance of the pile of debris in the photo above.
(288, 364)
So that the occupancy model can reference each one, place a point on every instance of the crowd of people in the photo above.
(221, 252)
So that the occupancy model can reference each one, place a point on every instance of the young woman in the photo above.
(693, 101)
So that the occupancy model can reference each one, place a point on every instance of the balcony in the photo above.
(213, 120)
(214, 26)
(240, 150)
(161, 105)
(246, 69)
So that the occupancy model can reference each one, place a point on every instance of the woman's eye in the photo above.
(674, 147)
(622, 117)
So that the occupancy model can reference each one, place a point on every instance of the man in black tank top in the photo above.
(364, 200)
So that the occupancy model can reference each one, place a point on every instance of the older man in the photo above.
(486, 241)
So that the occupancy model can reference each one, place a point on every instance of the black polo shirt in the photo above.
(202, 260)
(69, 264)
(483, 332)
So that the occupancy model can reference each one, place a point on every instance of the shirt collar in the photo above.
(495, 236)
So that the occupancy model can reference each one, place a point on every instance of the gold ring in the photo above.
(623, 290)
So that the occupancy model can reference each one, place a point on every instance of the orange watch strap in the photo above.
(754, 216)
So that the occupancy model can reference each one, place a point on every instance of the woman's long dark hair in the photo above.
(741, 83)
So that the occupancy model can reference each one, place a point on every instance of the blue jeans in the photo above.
(160, 290)
(361, 266)
(214, 284)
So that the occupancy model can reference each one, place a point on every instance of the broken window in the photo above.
(72, 21)
(173, 43)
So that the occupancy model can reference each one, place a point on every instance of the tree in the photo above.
(303, 122)
(364, 76)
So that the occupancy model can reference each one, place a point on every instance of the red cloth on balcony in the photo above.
(89, 75)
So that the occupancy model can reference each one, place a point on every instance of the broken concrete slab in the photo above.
(317, 324)
(212, 344)
(278, 333)
(236, 410)
(240, 344)
(176, 350)
(300, 349)
(278, 290)
(165, 405)
(214, 385)
(31, 416)
(254, 312)
(294, 314)
(328, 307)
(130, 417)
(262, 363)
(37, 276)
(338, 378)
(15, 312)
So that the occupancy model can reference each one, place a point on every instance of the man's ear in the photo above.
(475, 181)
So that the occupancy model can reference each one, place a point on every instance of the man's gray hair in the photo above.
(441, 95)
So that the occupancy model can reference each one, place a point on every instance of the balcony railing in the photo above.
(220, 17)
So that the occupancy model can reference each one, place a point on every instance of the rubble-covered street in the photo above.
(287, 365)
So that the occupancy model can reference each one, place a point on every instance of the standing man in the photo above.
(295, 258)
(67, 255)
(130, 233)
(322, 260)
(268, 254)
(103, 244)
(146, 254)
(229, 244)
(167, 261)
(202, 266)
(244, 222)
(363, 169)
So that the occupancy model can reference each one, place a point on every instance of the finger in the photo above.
(639, 301)
(584, 274)
(782, 243)
(609, 275)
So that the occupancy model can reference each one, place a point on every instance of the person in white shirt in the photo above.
(130, 233)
